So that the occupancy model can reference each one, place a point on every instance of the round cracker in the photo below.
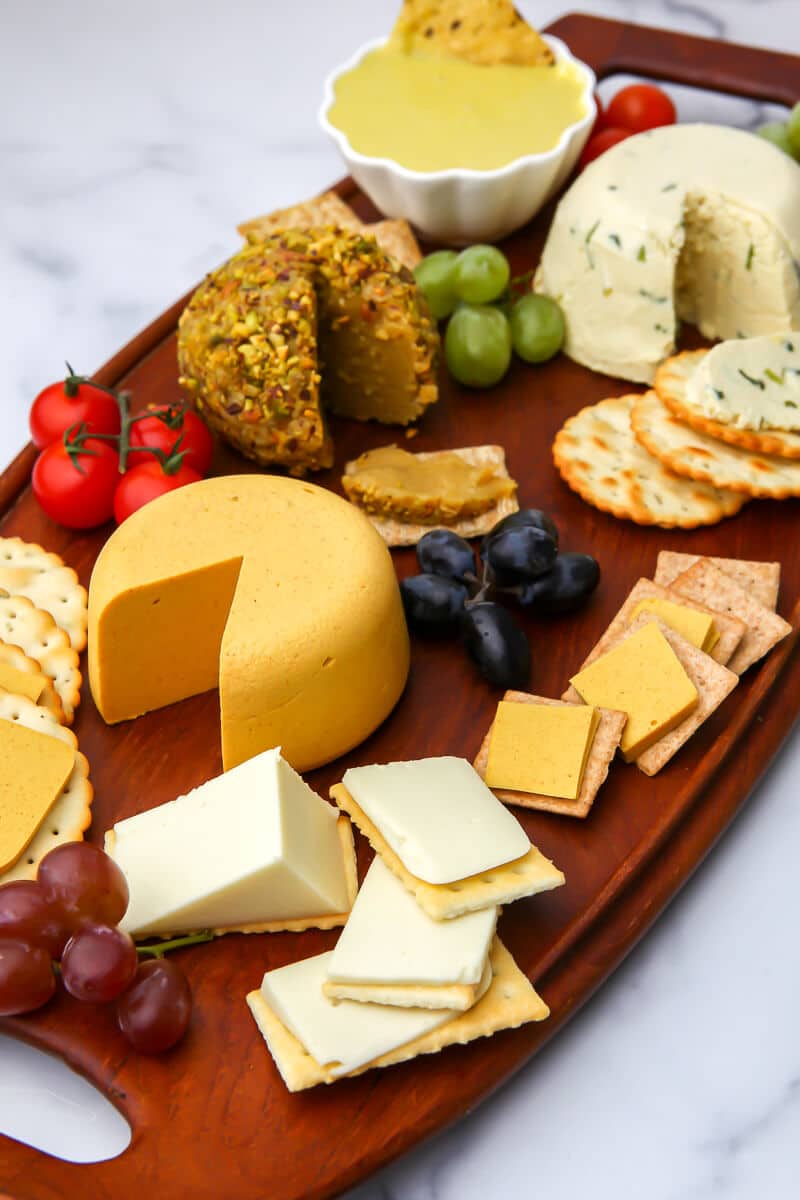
(28, 570)
(36, 633)
(670, 384)
(597, 455)
(71, 814)
(697, 456)
(18, 660)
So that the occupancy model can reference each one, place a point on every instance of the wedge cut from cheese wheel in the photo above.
(278, 591)
(699, 223)
(252, 846)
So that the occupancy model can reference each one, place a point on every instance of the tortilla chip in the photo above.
(479, 31)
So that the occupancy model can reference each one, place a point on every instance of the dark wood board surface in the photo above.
(213, 1118)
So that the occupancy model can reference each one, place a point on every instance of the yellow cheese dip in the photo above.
(431, 114)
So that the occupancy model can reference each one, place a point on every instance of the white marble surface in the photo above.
(132, 138)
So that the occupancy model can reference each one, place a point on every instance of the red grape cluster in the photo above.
(70, 912)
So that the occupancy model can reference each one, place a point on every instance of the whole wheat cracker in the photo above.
(706, 583)
(761, 579)
(601, 755)
(396, 238)
(72, 812)
(407, 533)
(670, 384)
(597, 456)
(458, 997)
(526, 876)
(695, 455)
(509, 1002)
(18, 660)
(35, 632)
(296, 925)
(45, 579)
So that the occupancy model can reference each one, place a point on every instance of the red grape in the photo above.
(26, 914)
(154, 1012)
(26, 977)
(84, 884)
(98, 963)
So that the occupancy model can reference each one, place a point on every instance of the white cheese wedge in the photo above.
(388, 938)
(438, 816)
(341, 1035)
(699, 223)
(753, 383)
(253, 845)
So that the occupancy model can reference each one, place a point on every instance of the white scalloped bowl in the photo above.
(458, 205)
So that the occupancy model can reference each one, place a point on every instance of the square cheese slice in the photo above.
(438, 816)
(697, 627)
(254, 847)
(390, 950)
(21, 683)
(34, 768)
(540, 749)
(644, 678)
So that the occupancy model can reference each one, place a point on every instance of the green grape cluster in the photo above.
(485, 323)
(784, 134)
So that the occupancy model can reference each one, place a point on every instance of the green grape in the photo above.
(481, 274)
(775, 132)
(477, 346)
(537, 328)
(793, 130)
(435, 275)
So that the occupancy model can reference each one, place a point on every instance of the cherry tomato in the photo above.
(603, 141)
(162, 429)
(639, 107)
(144, 483)
(74, 401)
(76, 487)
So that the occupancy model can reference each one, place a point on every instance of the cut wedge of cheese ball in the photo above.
(251, 851)
(697, 223)
(279, 591)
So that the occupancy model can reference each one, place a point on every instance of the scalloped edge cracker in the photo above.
(509, 1002)
(397, 533)
(526, 876)
(761, 579)
(26, 569)
(601, 755)
(35, 632)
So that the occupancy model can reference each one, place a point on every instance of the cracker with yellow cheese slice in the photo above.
(475, 30)
(761, 579)
(71, 814)
(526, 876)
(604, 746)
(45, 579)
(35, 632)
(510, 1001)
(708, 461)
(21, 675)
(670, 383)
(597, 455)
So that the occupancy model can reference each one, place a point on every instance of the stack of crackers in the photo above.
(657, 460)
(43, 624)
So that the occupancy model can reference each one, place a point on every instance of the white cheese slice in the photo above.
(253, 845)
(388, 938)
(438, 816)
(752, 383)
(341, 1035)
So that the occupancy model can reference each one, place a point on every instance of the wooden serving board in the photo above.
(213, 1118)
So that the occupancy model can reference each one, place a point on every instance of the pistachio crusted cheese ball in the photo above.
(295, 313)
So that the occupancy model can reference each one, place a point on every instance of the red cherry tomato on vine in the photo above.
(639, 107)
(144, 483)
(162, 434)
(76, 486)
(75, 401)
(601, 142)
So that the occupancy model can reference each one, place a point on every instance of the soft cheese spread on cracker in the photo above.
(752, 383)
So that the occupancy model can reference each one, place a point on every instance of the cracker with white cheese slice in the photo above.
(510, 1001)
(708, 461)
(670, 383)
(761, 579)
(36, 633)
(597, 455)
(72, 812)
(17, 660)
(601, 755)
(459, 997)
(526, 876)
(45, 579)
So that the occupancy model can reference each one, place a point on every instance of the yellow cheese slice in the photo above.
(697, 627)
(279, 592)
(21, 683)
(33, 771)
(643, 677)
(540, 749)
